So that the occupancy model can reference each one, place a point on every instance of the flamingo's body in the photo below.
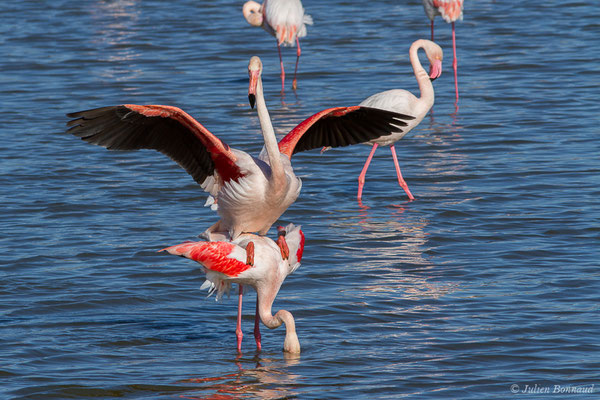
(251, 193)
(284, 19)
(263, 268)
(450, 11)
(402, 101)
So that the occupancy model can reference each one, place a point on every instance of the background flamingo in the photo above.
(254, 261)
(284, 19)
(251, 193)
(450, 10)
(403, 101)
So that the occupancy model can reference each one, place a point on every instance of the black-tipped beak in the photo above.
(252, 99)
(281, 231)
(435, 70)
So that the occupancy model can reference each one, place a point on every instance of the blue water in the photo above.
(489, 279)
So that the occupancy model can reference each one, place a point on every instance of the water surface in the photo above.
(489, 279)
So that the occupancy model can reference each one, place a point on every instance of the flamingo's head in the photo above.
(435, 54)
(254, 71)
(253, 13)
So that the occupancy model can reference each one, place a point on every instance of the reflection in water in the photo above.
(444, 159)
(390, 244)
(438, 129)
(386, 239)
(114, 23)
(286, 104)
(267, 379)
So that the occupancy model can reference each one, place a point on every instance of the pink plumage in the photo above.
(215, 256)
(450, 10)
(255, 261)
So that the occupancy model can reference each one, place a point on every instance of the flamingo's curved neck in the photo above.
(425, 86)
(291, 343)
(269, 135)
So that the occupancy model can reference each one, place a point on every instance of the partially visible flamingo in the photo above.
(284, 19)
(251, 193)
(402, 101)
(254, 261)
(450, 10)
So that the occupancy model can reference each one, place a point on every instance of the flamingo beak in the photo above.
(435, 70)
(252, 88)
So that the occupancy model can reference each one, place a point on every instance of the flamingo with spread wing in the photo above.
(251, 193)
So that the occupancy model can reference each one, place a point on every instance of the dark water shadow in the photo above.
(260, 376)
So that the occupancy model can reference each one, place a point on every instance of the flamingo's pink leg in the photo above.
(400, 179)
(238, 331)
(282, 70)
(363, 174)
(455, 62)
(257, 336)
(298, 52)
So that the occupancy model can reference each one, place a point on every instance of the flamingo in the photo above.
(284, 19)
(402, 101)
(250, 193)
(450, 10)
(255, 261)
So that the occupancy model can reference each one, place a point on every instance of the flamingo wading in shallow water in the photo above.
(251, 193)
(284, 19)
(402, 101)
(450, 10)
(255, 261)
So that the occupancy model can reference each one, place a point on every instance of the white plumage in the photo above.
(403, 101)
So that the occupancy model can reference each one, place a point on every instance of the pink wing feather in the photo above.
(167, 129)
(451, 10)
(212, 255)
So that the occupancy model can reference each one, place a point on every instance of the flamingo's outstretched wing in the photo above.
(342, 126)
(167, 129)
(216, 256)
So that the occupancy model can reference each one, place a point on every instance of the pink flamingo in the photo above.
(284, 19)
(255, 261)
(249, 193)
(450, 10)
(402, 101)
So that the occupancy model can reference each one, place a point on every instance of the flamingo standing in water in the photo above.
(402, 101)
(284, 19)
(251, 193)
(450, 10)
(255, 261)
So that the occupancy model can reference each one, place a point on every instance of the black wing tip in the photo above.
(74, 114)
(392, 114)
(92, 112)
